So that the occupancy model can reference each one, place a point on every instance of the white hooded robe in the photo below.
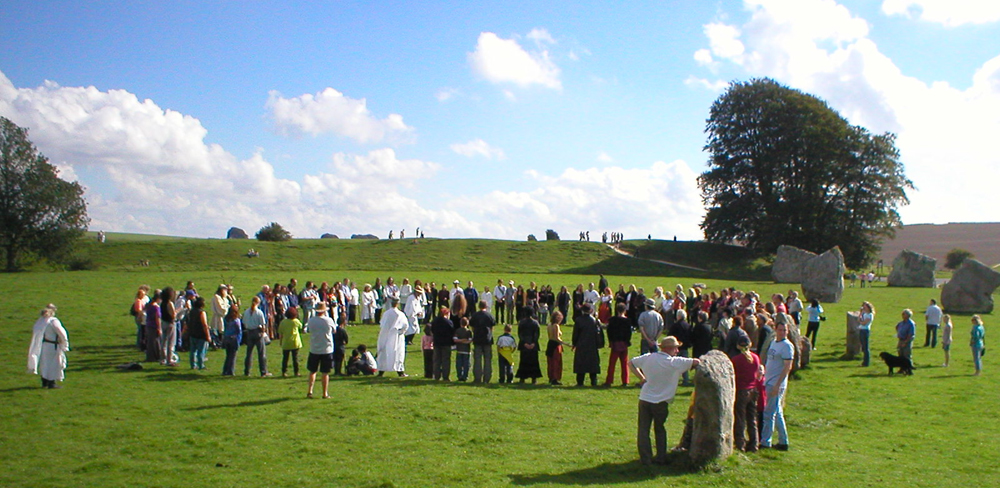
(391, 341)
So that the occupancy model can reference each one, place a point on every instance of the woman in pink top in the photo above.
(748, 376)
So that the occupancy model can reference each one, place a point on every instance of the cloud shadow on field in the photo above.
(607, 473)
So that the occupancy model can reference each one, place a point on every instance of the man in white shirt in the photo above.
(933, 315)
(658, 373)
(780, 356)
(456, 290)
(321, 346)
(499, 292)
(794, 306)
(591, 296)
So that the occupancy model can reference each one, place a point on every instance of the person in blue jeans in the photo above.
(231, 339)
(463, 349)
(779, 364)
(867, 316)
(977, 343)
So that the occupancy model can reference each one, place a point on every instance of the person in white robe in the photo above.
(392, 341)
(47, 352)
(415, 308)
(368, 299)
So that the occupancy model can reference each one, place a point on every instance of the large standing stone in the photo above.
(715, 394)
(787, 267)
(913, 269)
(796, 338)
(970, 289)
(853, 336)
(823, 277)
(236, 233)
(329, 236)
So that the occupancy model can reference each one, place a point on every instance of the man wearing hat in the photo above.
(321, 348)
(658, 373)
(456, 290)
(650, 327)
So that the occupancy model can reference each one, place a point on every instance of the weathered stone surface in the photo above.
(236, 233)
(970, 289)
(363, 236)
(912, 269)
(329, 236)
(788, 263)
(823, 277)
(796, 338)
(805, 352)
(715, 394)
(853, 336)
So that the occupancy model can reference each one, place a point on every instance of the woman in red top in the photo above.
(748, 375)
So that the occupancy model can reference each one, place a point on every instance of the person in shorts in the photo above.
(321, 328)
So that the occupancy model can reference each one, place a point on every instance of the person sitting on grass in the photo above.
(368, 364)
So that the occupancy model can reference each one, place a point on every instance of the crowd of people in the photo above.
(672, 328)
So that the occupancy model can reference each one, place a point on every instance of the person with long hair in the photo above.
(554, 349)
(815, 311)
(168, 320)
(153, 330)
(604, 310)
(289, 332)
(865, 318)
(562, 302)
(47, 352)
(139, 313)
(946, 332)
(458, 306)
(749, 373)
(577, 302)
(220, 307)
(231, 339)
(198, 332)
(977, 343)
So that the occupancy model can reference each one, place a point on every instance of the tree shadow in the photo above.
(255, 403)
(609, 473)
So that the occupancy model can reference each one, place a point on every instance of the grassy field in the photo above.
(849, 426)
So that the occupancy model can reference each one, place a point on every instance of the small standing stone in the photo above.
(715, 395)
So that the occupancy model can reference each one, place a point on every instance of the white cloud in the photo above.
(445, 94)
(509, 95)
(703, 57)
(716, 86)
(145, 163)
(664, 198)
(329, 111)
(951, 13)
(723, 40)
(541, 36)
(820, 47)
(505, 61)
(478, 147)
(604, 157)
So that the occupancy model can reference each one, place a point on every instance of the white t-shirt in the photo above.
(933, 314)
(662, 372)
(777, 354)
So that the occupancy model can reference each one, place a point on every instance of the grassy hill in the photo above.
(123, 252)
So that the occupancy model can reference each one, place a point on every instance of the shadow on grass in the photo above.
(19, 388)
(429, 383)
(608, 473)
(255, 403)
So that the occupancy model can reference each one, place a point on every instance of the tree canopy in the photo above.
(273, 232)
(956, 256)
(785, 168)
(40, 213)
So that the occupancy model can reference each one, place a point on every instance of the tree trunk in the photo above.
(11, 259)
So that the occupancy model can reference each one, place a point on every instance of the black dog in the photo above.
(904, 365)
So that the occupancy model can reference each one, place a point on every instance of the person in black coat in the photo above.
(443, 331)
(562, 301)
(620, 339)
(701, 336)
(587, 359)
(528, 333)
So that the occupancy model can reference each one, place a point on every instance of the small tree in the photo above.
(955, 258)
(551, 235)
(273, 232)
(40, 213)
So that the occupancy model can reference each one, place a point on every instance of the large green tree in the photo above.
(785, 168)
(40, 213)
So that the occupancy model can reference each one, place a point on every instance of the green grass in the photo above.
(849, 426)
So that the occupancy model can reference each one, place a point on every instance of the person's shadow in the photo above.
(609, 473)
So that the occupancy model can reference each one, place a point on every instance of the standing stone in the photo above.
(823, 277)
(913, 269)
(787, 267)
(796, 338)
(236, 233)
(853, 336)
(329, 236)
(970, 289)
(715, 395)
(805, 352)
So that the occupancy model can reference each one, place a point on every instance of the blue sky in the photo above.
(483, 120)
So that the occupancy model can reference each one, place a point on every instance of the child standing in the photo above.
(946, 329)
(505, 357)
(427, 345)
